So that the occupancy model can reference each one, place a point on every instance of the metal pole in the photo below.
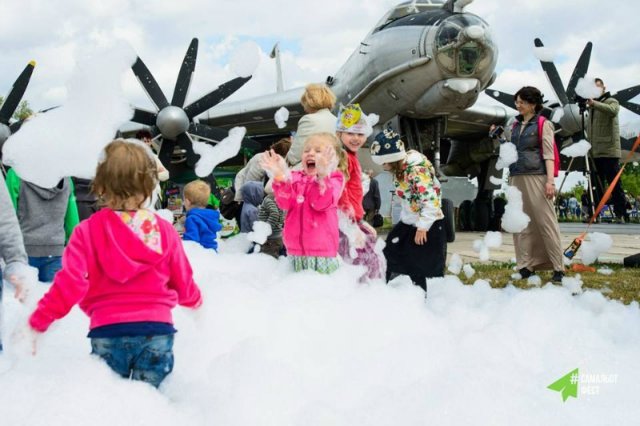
(566, 173)
(275, 54)
(588, 167)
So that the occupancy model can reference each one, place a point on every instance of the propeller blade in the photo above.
(15, 94)
(550, 70)
(166, 150)
(502, 97)
(627, 94)
(631, 107)
(144, 117)
(579, 71)
(185, 142)
(149, 84)
(215, 97)
(15, 126)
(49, 109)
(218, 134)
(185, 75)
(212, 133)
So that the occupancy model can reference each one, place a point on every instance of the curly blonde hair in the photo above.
(197, 192)
(317, 96)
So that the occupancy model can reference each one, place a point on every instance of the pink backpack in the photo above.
(556, 154)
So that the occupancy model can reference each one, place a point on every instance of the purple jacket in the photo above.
(311, 223)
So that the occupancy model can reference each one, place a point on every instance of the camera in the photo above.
(496, 132)
(582, 103)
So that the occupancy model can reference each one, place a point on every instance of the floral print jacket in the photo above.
(419, 192)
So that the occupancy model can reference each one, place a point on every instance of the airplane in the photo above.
(570, 107)
(421, 69)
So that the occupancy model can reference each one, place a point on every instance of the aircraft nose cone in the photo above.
(475, 32)
(172, 121)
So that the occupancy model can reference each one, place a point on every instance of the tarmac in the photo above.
(626, 242)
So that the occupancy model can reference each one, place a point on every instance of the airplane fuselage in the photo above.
(426, 64)
(422, 65)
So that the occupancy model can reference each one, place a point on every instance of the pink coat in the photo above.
(116, 278)
(311, 223)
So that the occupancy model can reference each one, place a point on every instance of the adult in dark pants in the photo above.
(604, 135)
(371, 201)
(86, 200)
(417, 245)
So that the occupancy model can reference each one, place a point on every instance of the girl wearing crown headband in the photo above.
(358, 239)
(417, 245)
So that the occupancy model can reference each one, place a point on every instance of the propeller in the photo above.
(174, 121)
(12, 101)
(571, 122)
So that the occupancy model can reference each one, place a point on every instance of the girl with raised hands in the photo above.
(310, 198)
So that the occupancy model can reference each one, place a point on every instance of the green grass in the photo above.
(623, 284)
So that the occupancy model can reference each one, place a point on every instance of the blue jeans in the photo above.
(47, 267)
(145, 358)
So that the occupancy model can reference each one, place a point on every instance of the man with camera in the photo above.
(604, 136)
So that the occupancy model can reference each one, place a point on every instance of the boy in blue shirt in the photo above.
(201, 224)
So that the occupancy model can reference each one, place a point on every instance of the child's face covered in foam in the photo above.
(316, 155)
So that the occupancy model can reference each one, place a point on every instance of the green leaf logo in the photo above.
(567, 385)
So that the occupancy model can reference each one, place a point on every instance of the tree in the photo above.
(631, 179)
(23, 111)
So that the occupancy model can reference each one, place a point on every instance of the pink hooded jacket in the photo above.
(311, 223)
(116, 278)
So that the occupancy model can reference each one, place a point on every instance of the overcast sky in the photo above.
(316, 38)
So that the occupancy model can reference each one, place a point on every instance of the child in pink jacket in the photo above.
(310, 197)
(126, 268)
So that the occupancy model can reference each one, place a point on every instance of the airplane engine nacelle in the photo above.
(453, 94)
(571, 121)
(465, 157)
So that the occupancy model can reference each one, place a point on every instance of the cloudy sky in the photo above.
(315, 38)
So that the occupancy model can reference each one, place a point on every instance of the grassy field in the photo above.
(623, 284)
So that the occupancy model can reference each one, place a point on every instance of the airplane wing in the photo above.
(476, 120)
(257, 114)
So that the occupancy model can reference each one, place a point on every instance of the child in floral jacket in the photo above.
(417, 245)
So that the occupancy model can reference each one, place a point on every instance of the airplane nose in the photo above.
(463, 47)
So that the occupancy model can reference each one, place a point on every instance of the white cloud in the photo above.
(324, 35)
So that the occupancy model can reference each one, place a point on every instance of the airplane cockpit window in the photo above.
(448, 35)
(468, 57)
(408, 8)
(463, 44)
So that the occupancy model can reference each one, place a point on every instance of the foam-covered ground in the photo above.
(272, 347)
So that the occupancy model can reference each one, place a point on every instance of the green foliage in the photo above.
(23, 111)
(631, 179)
(630, 182)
